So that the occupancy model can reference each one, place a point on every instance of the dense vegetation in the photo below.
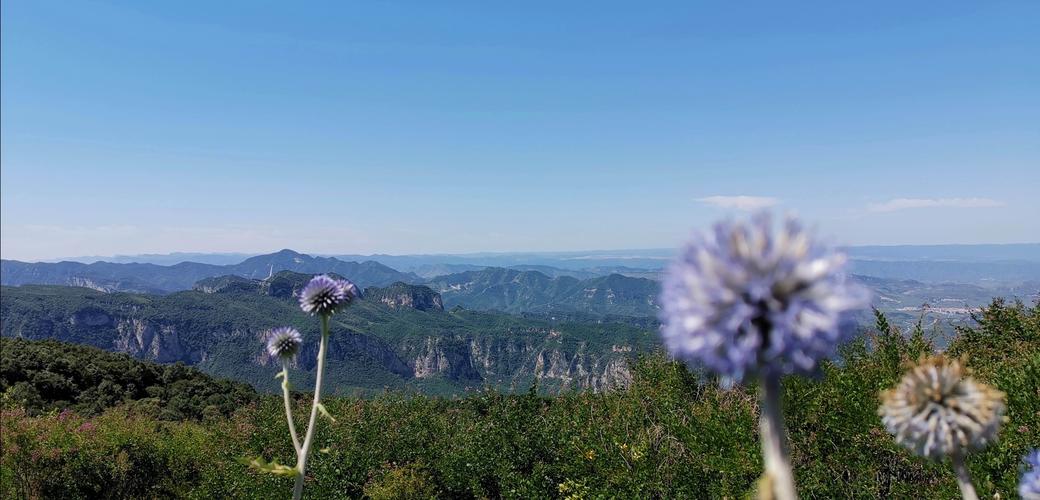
(669, 434)
(374, 345)
(516, 291)
(40, 376)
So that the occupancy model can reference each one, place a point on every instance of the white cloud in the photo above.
(741, 202)
(907, 203)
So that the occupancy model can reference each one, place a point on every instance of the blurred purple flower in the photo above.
(1029, 485)
(284, 342)
(748, 299)
(324, 295)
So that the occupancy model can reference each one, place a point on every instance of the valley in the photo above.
(399, 338)
(500, 327)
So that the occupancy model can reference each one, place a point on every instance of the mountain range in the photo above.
(526, 288)
(516, 291)
(154, 278)
(477, 326)
(984, 265)
(536, 288)
(398, 337)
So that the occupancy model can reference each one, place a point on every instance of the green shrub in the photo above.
(408, 482)
(670, 434)
(43, 375)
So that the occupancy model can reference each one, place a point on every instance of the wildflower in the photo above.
(1029, 484)
(353, 292)
(937, 410)
(324, 295)
(749, 299)
(284, 342)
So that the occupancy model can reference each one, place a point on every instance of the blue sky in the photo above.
(359, 127)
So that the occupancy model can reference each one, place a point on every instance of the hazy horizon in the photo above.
(247, 253)
(855, 251)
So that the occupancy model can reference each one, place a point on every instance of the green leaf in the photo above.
(324, 412)
(272, 467)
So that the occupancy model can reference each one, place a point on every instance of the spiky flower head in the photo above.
(1029, 484)
(749, 299)
(284, 342)
(324, 295)
(939, 410)
(353, 292)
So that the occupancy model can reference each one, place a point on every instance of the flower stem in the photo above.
(963, 478)
(301, 464)
(774, 442)
(288, 407)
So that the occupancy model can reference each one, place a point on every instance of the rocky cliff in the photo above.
(400, 294)
(396, 337)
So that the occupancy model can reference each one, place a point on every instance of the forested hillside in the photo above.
(516, 291)
(399, 338)
(44, 375)
(670, 434)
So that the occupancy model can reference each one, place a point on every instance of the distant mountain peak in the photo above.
(154, 278)
(287, 253)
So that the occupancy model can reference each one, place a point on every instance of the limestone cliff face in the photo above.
(513, 362)
(146, 340)
(445, 357)
(505, 362)
(402, 295)
(227, 284)
(88, 283)
(581, 370)
(501, 359)
(470, 351)
(348, 346)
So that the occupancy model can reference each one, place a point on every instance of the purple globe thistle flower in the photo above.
(352, 290)
(284, 342)
(747, 300)
(324, 295)
(1029, 484)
